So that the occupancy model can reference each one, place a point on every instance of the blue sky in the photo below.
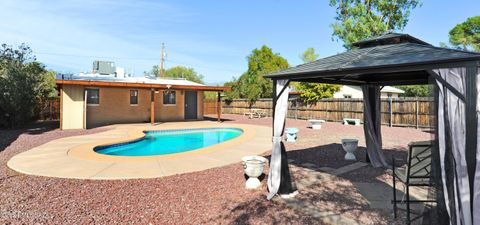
(214, 37)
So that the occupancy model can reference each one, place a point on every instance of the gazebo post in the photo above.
(274, 103)
(279, 179)
(471, 127)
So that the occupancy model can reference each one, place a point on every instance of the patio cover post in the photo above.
(85, 109)
(219, 106)
(279, 178)
(372, 125)
(152, 107)
(60, 90)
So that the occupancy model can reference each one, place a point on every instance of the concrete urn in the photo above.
(350, 145)
(253, 168)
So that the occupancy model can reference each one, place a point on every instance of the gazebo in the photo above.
(400, 59)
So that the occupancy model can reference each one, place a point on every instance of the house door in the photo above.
(190, 105)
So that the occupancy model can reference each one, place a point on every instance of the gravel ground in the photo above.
(214, 196)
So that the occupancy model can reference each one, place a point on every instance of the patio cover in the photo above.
(400, 59)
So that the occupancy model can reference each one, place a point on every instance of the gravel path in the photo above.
(215, 196)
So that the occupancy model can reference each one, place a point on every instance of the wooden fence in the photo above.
(209, 107)
(49, 109)
(405, 112)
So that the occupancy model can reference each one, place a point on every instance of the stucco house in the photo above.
(91, 100)
(348, 91)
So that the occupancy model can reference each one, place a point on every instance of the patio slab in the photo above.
(74, 157)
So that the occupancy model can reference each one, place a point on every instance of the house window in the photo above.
(169, 98)
(93, 96)
(133, 97)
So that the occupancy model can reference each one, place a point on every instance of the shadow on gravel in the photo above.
(332, 155)
(262, 211)
(348, 198)
(7, 136)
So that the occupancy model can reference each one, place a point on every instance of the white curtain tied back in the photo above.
(280, 115)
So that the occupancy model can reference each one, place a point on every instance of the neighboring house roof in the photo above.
(390, 89)
(385, 89)
(140, 82)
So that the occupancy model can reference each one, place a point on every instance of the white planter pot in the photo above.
(253, 167)
(350, 145)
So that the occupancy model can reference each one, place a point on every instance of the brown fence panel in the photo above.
(407, 112)
(49, 109)
(209, 107)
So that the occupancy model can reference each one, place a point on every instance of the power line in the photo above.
(92, 56)
(135, 59)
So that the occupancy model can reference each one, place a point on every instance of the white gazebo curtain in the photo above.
(457, 123)
(279, 175)
(372, 125)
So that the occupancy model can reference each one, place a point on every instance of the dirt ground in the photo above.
(214, 196)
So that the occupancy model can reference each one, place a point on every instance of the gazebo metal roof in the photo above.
(390, 59)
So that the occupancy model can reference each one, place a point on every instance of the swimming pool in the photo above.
(163, 142)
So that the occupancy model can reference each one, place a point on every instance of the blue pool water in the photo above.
(171, 141)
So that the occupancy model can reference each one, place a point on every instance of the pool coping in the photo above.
(86, 151)
(74, 157)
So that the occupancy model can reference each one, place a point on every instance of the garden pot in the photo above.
(253, 168)
(350, 145)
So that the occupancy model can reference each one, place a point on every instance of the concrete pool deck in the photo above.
(73, 157)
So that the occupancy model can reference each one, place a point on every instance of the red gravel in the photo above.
(214, 196)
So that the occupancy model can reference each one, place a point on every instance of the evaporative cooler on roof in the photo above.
(103, 67)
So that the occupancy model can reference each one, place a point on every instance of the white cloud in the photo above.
(122, 29)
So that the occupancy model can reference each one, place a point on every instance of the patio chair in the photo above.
(416, 173)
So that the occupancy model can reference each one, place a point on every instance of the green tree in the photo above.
(23, 83)
(46, 87)
(466, 35)
(235, 92)
(416, 90)
(154, 72)
(357, 20)
(311, 92)
(443, 45)
(184, 72)
(176, 72)
(251, 84)
(210, 95)
(309, 55)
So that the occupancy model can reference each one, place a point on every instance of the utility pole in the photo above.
(162, 61)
